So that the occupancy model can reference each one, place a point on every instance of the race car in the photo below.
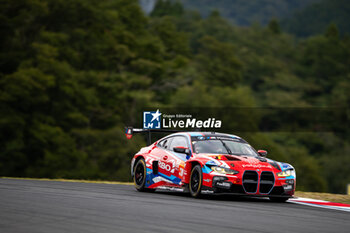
(210, 162)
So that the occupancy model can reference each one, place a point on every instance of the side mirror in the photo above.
(262, 153)
(182, 150)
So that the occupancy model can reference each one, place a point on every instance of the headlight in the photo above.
(289, 172)
(224, 170)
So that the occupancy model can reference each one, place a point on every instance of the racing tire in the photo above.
(140, 175)
(196, 180)
(279, 199)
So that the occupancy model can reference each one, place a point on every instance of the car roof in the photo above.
(205, 134)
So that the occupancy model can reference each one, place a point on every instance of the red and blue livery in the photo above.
(210, 162)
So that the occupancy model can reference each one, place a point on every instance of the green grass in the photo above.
(339, 198)
(72, 180)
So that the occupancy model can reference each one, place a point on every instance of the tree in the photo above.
(217, 63)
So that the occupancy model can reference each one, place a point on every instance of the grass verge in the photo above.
(70, 180)
(339, 198)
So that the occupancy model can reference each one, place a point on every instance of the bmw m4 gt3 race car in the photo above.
(209, 162)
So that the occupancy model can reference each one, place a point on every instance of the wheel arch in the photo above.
(188, 169)
(135, 160)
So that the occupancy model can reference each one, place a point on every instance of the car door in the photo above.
(173, 163)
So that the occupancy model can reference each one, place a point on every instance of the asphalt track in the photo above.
(53, 206)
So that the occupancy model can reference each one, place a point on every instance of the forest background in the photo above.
(74, 73)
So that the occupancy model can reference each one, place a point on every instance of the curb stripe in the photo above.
(326, 203)
(321, 204)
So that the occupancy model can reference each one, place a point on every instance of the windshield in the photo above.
(223, 146)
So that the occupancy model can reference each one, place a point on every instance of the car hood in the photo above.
(239, 162)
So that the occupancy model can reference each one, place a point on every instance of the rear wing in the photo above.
(130, 131)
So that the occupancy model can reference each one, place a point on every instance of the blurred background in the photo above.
(74, 73)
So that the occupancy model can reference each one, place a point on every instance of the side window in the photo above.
(178, 141)
(164, 143)
(160, 144)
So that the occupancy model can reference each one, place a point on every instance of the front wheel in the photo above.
(279, 199)
(196, 178)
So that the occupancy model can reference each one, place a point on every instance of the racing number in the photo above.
(169, 166)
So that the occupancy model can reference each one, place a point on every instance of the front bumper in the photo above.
(237, 190)
(264, 183)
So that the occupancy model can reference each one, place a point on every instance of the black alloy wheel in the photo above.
(196, 178)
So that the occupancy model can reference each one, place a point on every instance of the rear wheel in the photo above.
(195, 185)
(279, 199)
(140, 175)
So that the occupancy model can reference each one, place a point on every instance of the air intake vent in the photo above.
(267, 180)
(250, 181)
(230, 158)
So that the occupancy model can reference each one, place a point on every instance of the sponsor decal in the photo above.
(181, 169)
(128, 133)
(167, 167)
(256, 166)
(159, 178)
